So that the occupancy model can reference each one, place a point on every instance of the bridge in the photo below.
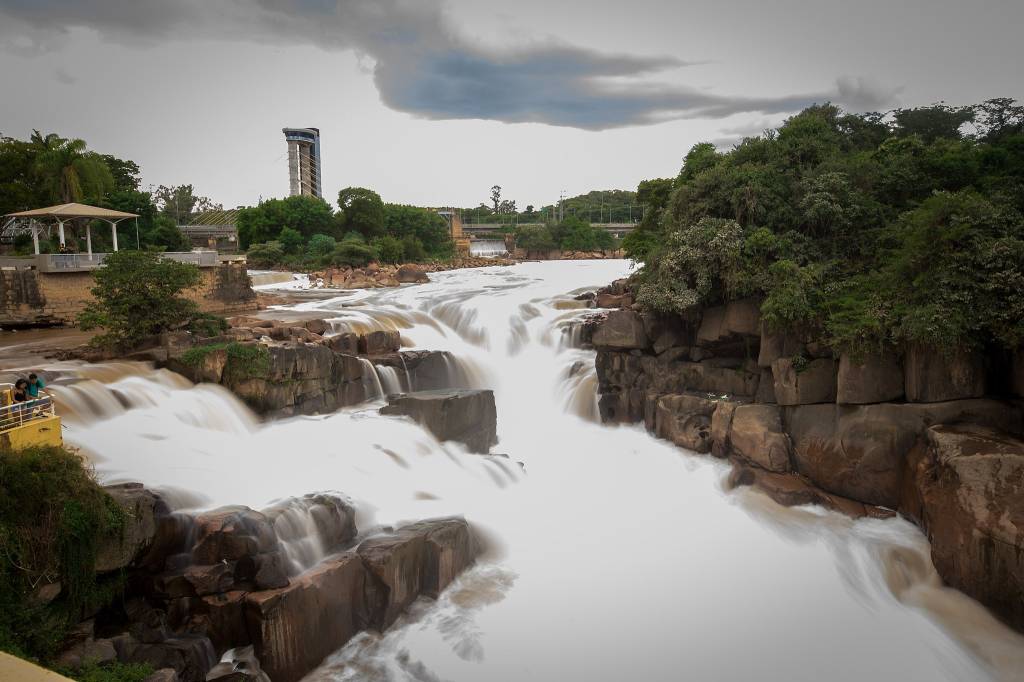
(618, 230)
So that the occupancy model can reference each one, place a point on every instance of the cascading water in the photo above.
(612, 555)
(487, 248)
(390, 379)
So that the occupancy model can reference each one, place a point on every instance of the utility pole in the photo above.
(561, 206)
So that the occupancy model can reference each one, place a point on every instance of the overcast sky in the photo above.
(431, 103)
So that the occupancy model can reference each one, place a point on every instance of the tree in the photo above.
(320, 245)
(362, 210)
(166, 236)
(265, 255)
(180, 202)
(496, 197)
(389, 249)
(138, 295)
(291, 240)
(535, 238)
(932, 123)
(306, 215)
(427, 226)
(68, 171)
(126, 174)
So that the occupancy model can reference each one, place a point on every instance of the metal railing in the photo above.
(76, 262)
(18, 414)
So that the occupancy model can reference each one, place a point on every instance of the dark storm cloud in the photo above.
(422, 65)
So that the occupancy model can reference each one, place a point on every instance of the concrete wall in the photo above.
(32, 298)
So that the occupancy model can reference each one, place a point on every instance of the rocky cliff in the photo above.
(294, 581)
(933, 436)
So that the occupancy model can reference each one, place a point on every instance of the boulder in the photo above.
(623, 330)
(294, 628)
(711, 325)
(95, 651)
(719, 376)
(968, 483)
(860, 451)
(742, 318)
(318, 327)
(397, 562)
(756, 435)
(766, 388)
(721, 424)
(230, 534)
(346, 342)
(226, 619)
(190, 656)
(933, 376)
(815, 383)
(606, 300)
(869, 379)
(463, 415)
(411, 274)
(142, 509)
(211, 579)
(380, 342)
(792, 490)
(685, 420)
(451, 549)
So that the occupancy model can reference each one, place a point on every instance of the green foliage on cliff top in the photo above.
(53, 516)
(864, 230)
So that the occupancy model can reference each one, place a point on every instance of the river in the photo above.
(611, 555)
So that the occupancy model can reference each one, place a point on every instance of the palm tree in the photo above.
(68, 171)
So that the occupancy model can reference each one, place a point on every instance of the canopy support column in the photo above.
(35, 236)
(113, 233)
(88, 239)
(60, 232)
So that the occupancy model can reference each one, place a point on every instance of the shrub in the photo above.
(267, 254)
(207, 324)
(353, 253)
(389, 249)
(291, 240)
(137, 295)
(53, 516)
(412, 249)
(320, 245)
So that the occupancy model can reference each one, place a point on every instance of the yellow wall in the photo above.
(43, 431)
(12, 668)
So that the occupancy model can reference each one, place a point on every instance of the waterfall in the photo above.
(390, 379)
(577, 511)
(488, 248)
(372, 386)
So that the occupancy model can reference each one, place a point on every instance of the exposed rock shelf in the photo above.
(934, 436)
(466, 416)
(294, 581)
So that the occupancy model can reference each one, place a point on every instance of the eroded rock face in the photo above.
(869, 379)
(969, 482)
(464, 415)
(685, 420)
(142, 509)
(815, 383)
(296, 627)
(933, 376)
(859, 451)
(380, 342)
(621, 330)
(756, 435)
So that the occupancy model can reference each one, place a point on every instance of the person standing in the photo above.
(35, 385)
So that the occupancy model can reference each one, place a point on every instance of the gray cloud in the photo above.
(421, 64)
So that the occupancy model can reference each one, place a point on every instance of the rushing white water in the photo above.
(487, 248)
(613, 555)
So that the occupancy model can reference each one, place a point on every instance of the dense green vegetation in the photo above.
(138, 295)
(302, 232)
(863, 230)
(49, 169)
(53, 517)
(571, 234)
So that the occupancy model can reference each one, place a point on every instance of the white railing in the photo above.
(18, 414)
(70, 262)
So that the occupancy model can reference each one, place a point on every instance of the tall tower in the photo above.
(303, 161)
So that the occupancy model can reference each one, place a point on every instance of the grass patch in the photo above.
(53, 517)
(110, 672)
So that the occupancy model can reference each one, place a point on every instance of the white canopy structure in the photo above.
(65, 212)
